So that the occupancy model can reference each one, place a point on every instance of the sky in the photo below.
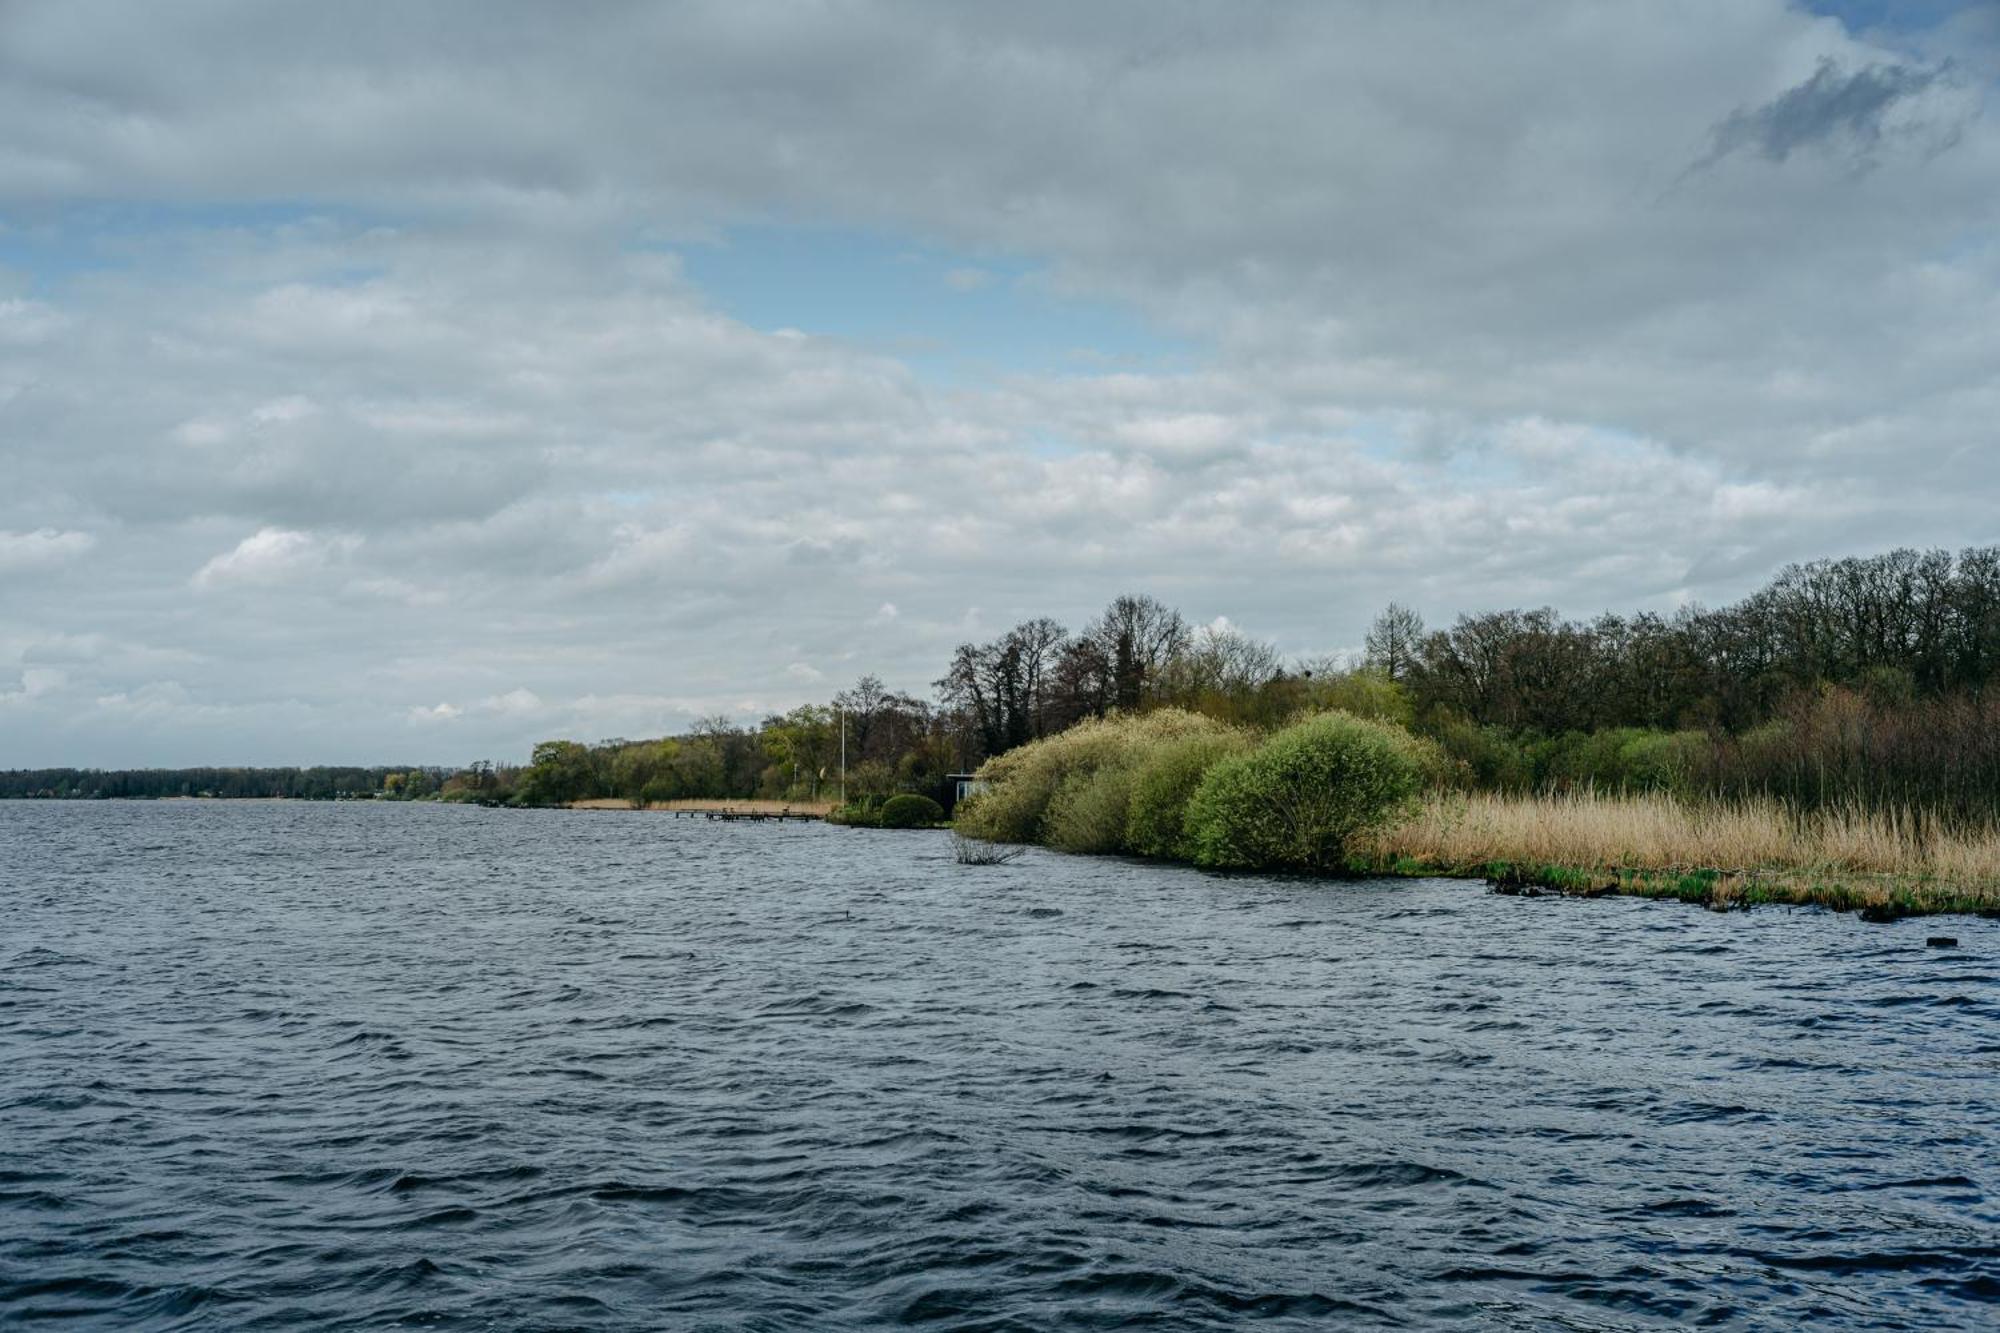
(412, 383)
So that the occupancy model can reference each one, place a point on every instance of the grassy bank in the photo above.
(1338, 795)
(1736, 854)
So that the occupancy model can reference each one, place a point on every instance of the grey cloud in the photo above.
(1455, 342)
(1845, 110)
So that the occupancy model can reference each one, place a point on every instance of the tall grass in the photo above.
(1656, 831)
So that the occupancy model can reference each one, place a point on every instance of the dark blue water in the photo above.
(353, 1066)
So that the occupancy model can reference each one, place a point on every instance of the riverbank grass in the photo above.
(1881, 863)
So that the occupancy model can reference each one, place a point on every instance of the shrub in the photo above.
(1662, 761)
(1297, 800)
(1485, 756)
(1022, 784)
(1163, 784)
(910, 811)
(1364, 693)
(864, 813)
(1087, 812)
(971, 852)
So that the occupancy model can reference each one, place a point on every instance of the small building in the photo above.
(958, 786)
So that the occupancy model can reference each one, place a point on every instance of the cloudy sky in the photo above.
(411, 382)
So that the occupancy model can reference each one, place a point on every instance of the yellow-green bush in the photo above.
(1162, 785)
(1297, 800)
(1087, 812)
(1022, 784)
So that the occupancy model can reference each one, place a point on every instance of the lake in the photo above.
(331, 1066)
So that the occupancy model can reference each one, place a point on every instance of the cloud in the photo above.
(271, 556)
(384, 329)
(515, 703)
(35, 683)
(41, 548)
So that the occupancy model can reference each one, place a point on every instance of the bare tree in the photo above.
(1138, 636)
(861, 706)
(1394, 641)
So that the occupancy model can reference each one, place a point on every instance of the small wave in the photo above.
(1384, 1175)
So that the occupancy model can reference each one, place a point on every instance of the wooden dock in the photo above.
(751, 816)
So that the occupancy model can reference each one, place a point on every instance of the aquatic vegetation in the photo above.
(972, 852)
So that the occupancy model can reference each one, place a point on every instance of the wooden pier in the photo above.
(752, 816)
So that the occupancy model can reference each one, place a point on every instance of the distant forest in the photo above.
(1863, 680)
(310, 784)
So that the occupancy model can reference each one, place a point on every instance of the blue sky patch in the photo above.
(953, 317)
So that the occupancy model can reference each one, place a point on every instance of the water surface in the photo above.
(287, 1065)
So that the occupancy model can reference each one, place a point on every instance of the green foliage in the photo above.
(1484, 757)
(872, 780)
(635, 769)
(1295, 801)
(562, 771)
(1163, 783)
(1367, 692)
(801, 743)
(1088, 811)
(910, 811)
(1022, 784)
(863, 813)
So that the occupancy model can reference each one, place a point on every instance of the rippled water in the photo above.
(345, 1066)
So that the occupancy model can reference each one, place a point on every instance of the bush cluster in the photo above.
(1162, 787)
(1179, 786)
(1298, 800)
(1070, 790)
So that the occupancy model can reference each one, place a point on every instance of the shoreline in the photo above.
(748, 805)
(1875, 898)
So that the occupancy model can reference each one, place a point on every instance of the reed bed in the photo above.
(1753, 850)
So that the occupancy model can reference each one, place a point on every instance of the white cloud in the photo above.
(515, 702)
(282, 410)
(35, 683)
(271, 556)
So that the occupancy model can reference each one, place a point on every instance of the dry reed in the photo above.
(1751, 849)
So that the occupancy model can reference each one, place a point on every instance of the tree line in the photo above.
(307, 784)
(1861, 679)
